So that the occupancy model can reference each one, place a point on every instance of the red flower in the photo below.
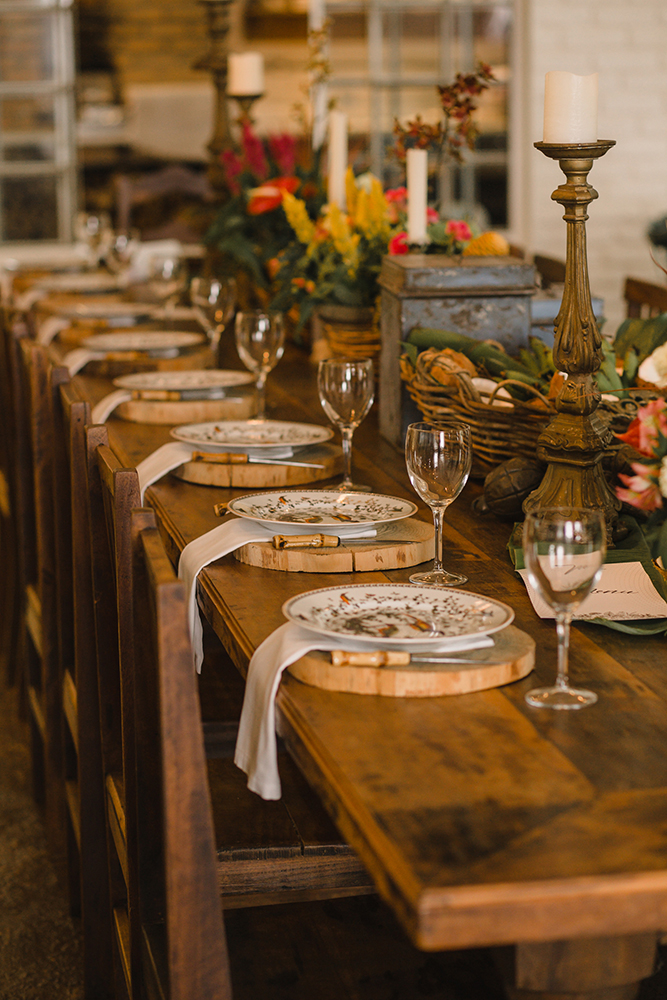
(283, 150)
(398, 244)
(397, 195)
(270, 194)
(253, 150)
(432, 216)
(459, 229)
(233, 166)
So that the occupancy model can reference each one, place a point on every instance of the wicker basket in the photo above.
(499, 430)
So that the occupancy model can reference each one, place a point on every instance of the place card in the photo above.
(624, 592)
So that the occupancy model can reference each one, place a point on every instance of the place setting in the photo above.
(159, 397)
(245, 453)
(396, 640)
(129, 349)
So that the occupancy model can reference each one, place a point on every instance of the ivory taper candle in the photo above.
(245, 74)
(337, 157)
(417, 171)
(570, 108)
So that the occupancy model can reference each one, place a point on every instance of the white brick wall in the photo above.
(626, 44)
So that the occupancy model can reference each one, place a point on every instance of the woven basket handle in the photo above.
(523, 385)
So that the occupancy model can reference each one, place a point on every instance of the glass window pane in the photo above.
(27, 129)
(29, 208)
(26, 47)
(27, 114)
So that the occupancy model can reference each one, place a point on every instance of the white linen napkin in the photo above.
(106, 406)
(256, 749)
(27, 299)
(77, 359)
(227, 538)
(169, 456)
(165, 458)
(51, 327)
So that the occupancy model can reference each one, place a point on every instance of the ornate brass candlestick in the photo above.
(573, 443)
(245, 103)
(217, 15)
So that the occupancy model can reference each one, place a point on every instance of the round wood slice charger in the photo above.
(257, 476)
(510, 658)
(407, 542)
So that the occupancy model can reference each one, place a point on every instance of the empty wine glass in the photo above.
(438, 460)
(564, 551)
(347, 390)
(213, 300)
(260, 341)
(123, 246)
(167, 279)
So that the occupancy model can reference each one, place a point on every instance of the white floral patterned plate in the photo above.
(322, 507)
(158, 340)
(247, 434)
(184, 381)
(397, 614)
(81, 283)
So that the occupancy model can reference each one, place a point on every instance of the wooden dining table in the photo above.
(482, 821)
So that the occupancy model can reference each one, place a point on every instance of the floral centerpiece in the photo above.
(336, 257)
(251, 228)
(646, 489)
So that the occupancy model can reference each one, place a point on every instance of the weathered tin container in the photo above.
(484, 297)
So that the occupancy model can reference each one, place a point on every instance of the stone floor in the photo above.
(40, 946)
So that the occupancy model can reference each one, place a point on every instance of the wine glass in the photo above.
(260, 341)
(213, 300)
(123, 246)
(438, 460)
(564, 550)
(347, 390)
(167, 279)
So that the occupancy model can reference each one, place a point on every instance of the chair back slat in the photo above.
(83, 759)
(179, 895)
(644, 298)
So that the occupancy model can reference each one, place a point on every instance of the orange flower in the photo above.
(270, 194)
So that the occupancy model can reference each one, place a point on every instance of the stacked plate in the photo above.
(277, 437)
(204, 383)
(405, 616)
(347, 512)
(158, 343)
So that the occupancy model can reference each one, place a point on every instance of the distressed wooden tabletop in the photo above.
(483, 821)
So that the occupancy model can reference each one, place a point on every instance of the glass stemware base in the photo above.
(352, 488)
(560, 697)
(439, 578)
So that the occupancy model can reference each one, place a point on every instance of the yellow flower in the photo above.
(345, 242)
(351, 191)
(298, 218)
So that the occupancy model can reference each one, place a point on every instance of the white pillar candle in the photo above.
(245, 74)
(417, 171)
(337, 158)
(570, 108)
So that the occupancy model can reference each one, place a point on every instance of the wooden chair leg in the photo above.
(601, 968)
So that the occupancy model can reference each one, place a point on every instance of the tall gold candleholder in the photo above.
(573, 443)
(245, 103)
(217, 17)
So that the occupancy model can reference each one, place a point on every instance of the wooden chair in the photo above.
(644, 299)
(182, 932)
(266, 851)
(175, 181)
(10, 589)
(34, 525)
(82, 751)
